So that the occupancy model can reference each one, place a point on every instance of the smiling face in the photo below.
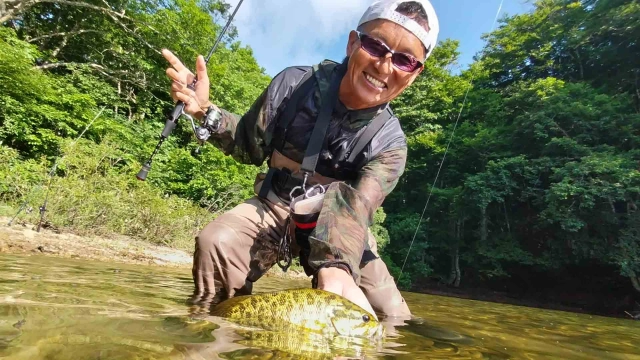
(371, 81)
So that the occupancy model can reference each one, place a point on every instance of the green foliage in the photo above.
(542, 171)
(60, 64)
(93, 192)
(36, 110)
(378, 230)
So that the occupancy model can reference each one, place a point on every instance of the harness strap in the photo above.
(329, 100)
(368, 134)
(292, 107)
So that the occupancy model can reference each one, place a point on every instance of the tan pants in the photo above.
(239, 246)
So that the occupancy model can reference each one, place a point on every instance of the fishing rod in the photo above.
(444, 156)
(43, 208)
(202, 132)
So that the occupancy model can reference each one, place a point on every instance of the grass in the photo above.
(92, 194)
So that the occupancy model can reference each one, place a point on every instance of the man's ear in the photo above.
(353, 43)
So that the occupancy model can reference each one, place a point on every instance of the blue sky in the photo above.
(303, 32)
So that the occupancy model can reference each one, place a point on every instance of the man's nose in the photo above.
(384, 64)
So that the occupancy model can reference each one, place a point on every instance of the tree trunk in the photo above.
(115, 108)
(454, 275)
(635, 280)
(457, 254)
(483, 223)
(579, 63)
(506, 217)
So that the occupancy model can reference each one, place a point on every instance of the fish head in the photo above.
(351, 320)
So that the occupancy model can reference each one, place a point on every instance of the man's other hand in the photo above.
(339, 282)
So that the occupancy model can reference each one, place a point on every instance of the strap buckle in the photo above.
(302, 187)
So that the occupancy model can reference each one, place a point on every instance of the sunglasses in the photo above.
(377, 48)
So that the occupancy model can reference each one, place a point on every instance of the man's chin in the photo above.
(369, 99)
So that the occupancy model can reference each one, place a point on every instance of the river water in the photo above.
(53, 308)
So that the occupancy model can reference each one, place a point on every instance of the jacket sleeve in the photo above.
(340, 235)
(247, 138)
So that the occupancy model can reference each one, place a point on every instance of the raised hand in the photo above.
(196, 101)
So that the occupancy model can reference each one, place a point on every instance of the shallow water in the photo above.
(53, 308)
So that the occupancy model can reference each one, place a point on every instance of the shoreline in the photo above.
(22, 238)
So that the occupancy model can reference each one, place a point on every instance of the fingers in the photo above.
(175, 76)
(173, 60)
(201, 71)
(192, 105)
(180, 88)
(185, 76)
(181, 77)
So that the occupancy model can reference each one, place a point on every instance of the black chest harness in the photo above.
(343, 166)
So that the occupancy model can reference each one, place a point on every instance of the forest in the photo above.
(536, 198)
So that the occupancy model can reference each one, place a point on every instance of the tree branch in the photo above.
(13, 9)
(68, 33)
(99, 68)
(105, 72)
(21, 5)
(17, 6)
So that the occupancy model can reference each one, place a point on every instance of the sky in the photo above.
(304, 32)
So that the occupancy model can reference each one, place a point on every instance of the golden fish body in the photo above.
(301, 345)
(301, 309)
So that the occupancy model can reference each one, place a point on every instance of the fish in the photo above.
(240, 343)
(304, 309)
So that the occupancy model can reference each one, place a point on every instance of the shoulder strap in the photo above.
(329, 99)
(293, 106)
(365, 138)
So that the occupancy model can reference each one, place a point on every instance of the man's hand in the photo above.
(196, 102)
(339, 282)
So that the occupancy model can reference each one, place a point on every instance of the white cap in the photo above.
(386, 9)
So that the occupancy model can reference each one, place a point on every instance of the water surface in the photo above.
(52, 308)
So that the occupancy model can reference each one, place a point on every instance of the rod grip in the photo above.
(144, 171)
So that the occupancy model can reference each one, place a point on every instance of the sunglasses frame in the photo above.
(389, 50)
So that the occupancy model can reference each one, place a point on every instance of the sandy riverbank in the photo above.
(22, 238)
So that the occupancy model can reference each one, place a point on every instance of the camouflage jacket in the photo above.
(349, 206)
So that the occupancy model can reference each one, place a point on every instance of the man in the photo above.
(336, 103)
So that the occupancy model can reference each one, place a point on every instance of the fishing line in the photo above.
(50, 175)
(445, 155)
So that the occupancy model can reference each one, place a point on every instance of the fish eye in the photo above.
(365, 318)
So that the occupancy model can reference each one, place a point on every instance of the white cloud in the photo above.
(296, 32)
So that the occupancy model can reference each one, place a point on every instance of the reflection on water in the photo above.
(54, 308)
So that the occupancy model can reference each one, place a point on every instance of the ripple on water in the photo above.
(53, 308)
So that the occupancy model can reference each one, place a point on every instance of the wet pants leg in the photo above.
(236, 249)
(380, 289)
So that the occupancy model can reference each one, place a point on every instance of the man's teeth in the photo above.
(374, 81)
